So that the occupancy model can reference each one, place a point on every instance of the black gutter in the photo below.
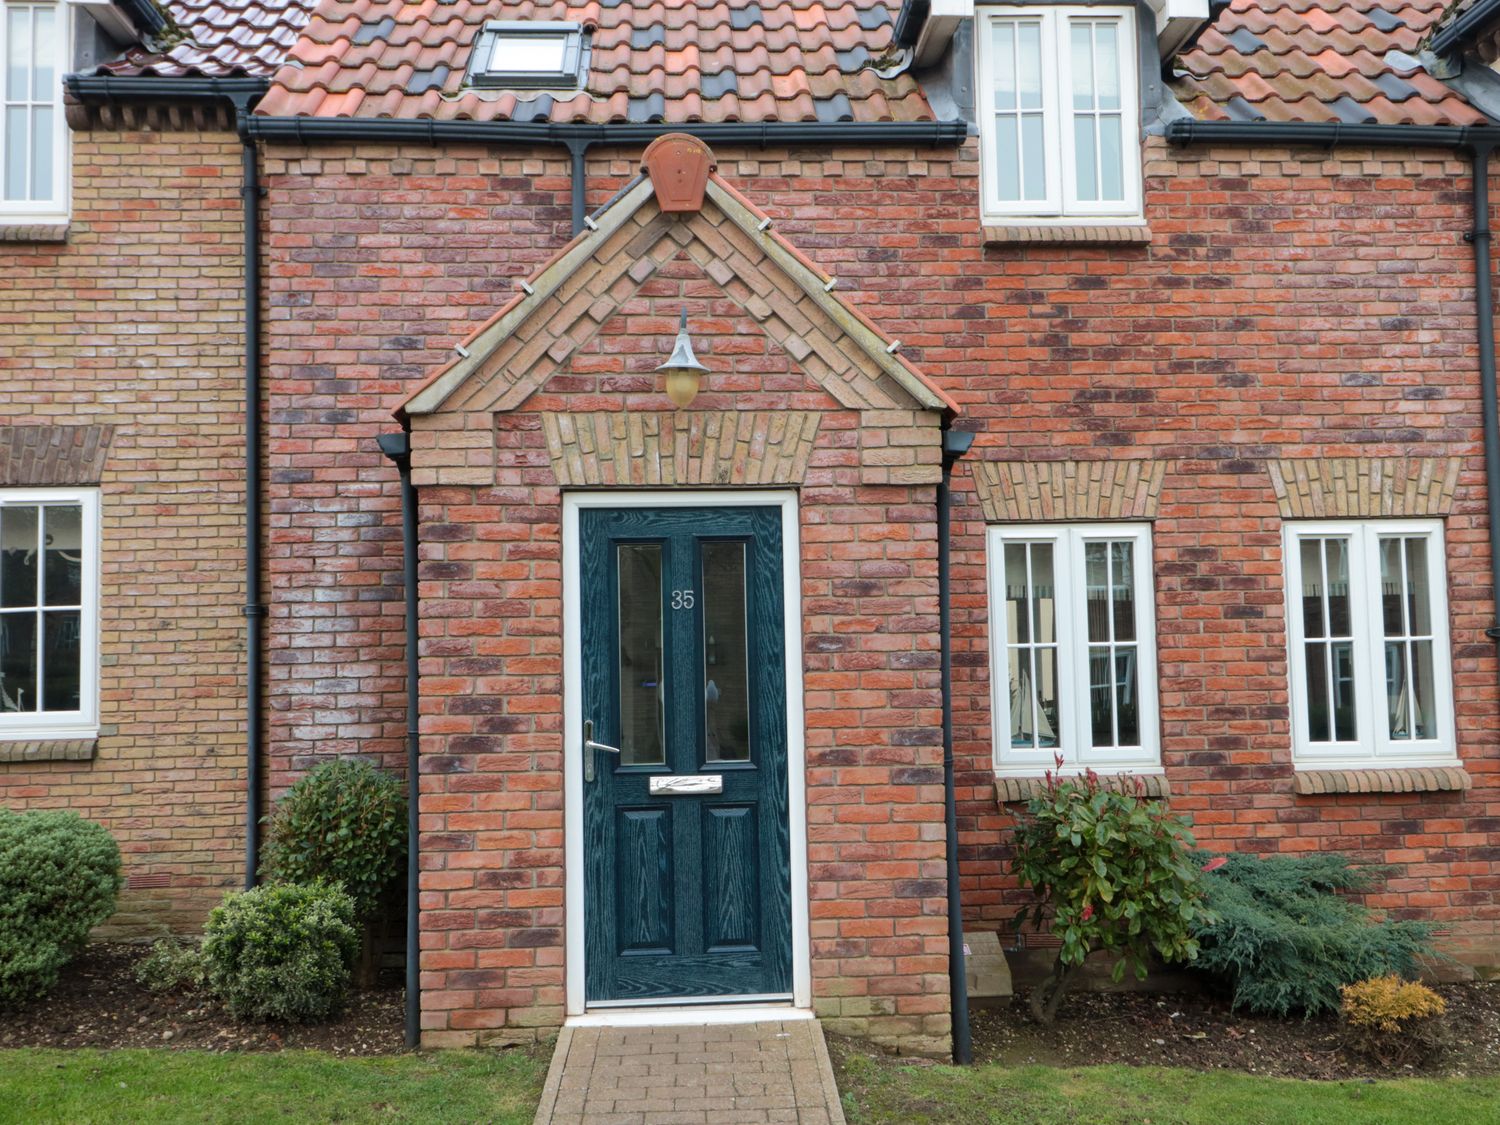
(398, 448)
(1457, 33)
(955, 444)
(106, 89)
(1481, 141)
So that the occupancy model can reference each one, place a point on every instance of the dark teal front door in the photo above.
(686, 849)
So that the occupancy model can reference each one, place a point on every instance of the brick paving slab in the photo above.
(705, 1074)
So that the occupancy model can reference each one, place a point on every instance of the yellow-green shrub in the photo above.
(1392, 1020)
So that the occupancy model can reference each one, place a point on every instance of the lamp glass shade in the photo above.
(682, 385)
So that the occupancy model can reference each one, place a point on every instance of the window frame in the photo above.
(83, 723)
(1373, 747)
(1069, 541)
(567, 77)
(1060, 206)
(55, 209)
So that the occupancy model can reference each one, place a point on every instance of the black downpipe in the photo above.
(398, 448)
(955, 444)
(1484, 309)
(254, 610)
(577, 151)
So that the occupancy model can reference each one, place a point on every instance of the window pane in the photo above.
(1003, 52)
(1083, 65)
(16, 144)
(1418, 589)
(1044, 594)
(1311, 554)
(1029, 65)
(42, 141)
(529, 54)
(642, 712)
(726, 691)
(1424, 703)
(1316, 656)
(62, 582)
(1087, 185)
(1343, 692)
(1397, 691)
(1337, 562)
(1017, 596)
(1034, 156)
(1391, 588)
(1123, 578)
(18, 662)
(1096, 594)
(1007, 159)
(1111, 160)
(60, 666)
(1049, 730)
(1127, 710)
(18, 556)
(17, 53)
(1101, 697)
(1107, 55)
(44, 76)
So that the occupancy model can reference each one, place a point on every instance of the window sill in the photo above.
(1425, 779)
(1014, 790)
(49, 750)
(1075, 234)
(17, 229)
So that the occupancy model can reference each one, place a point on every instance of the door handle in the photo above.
(589, 746)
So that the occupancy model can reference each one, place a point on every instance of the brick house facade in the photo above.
(1285, 339)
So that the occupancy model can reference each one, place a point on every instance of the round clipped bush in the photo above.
(282, 952)
(1393, 1021)
(345, 822)
(59, 878)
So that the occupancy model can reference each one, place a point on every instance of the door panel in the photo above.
(685, 895)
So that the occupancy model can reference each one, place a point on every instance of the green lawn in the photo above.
(883, 1093)
(193, 1086)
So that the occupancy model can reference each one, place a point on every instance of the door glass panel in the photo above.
(642, 693)
(18, 556)
(726, 694)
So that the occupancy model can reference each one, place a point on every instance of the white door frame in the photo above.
(796, 751)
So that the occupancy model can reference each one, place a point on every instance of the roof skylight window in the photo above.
(528, 53)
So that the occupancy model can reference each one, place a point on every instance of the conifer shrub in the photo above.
(1111, 871)
(1283, 937)
(59, 878)
(1392, 1021)
(283, 951)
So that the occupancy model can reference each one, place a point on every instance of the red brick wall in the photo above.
(1295, 304)
(136, 321)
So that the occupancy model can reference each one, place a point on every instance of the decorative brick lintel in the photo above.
(49, 750)
(51, 455)
(1314, 783)
(1077, 234)
(33, 232)
(1013, 790)
(1364, 487)
(1043, 491)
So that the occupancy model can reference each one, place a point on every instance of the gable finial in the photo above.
(678, 165)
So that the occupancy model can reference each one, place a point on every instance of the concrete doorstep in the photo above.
(770, 1073)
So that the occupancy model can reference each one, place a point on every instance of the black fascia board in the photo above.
(1329, 133)
(909, 21)
(764, 134)
(1458, 33)
(146, 16)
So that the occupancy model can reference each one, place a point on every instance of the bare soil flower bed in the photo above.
(98, 1003)
(1201, 1033)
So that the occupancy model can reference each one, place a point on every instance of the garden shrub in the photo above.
(1283, 938)
(344, 822)
(59, 878)
(1113, 871)
(283, 951)
(171, 966)
(1393, 1021)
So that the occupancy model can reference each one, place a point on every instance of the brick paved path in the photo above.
(718, 1074)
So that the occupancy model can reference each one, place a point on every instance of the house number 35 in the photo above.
(682, 599)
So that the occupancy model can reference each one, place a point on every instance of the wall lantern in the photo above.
(682, 368)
